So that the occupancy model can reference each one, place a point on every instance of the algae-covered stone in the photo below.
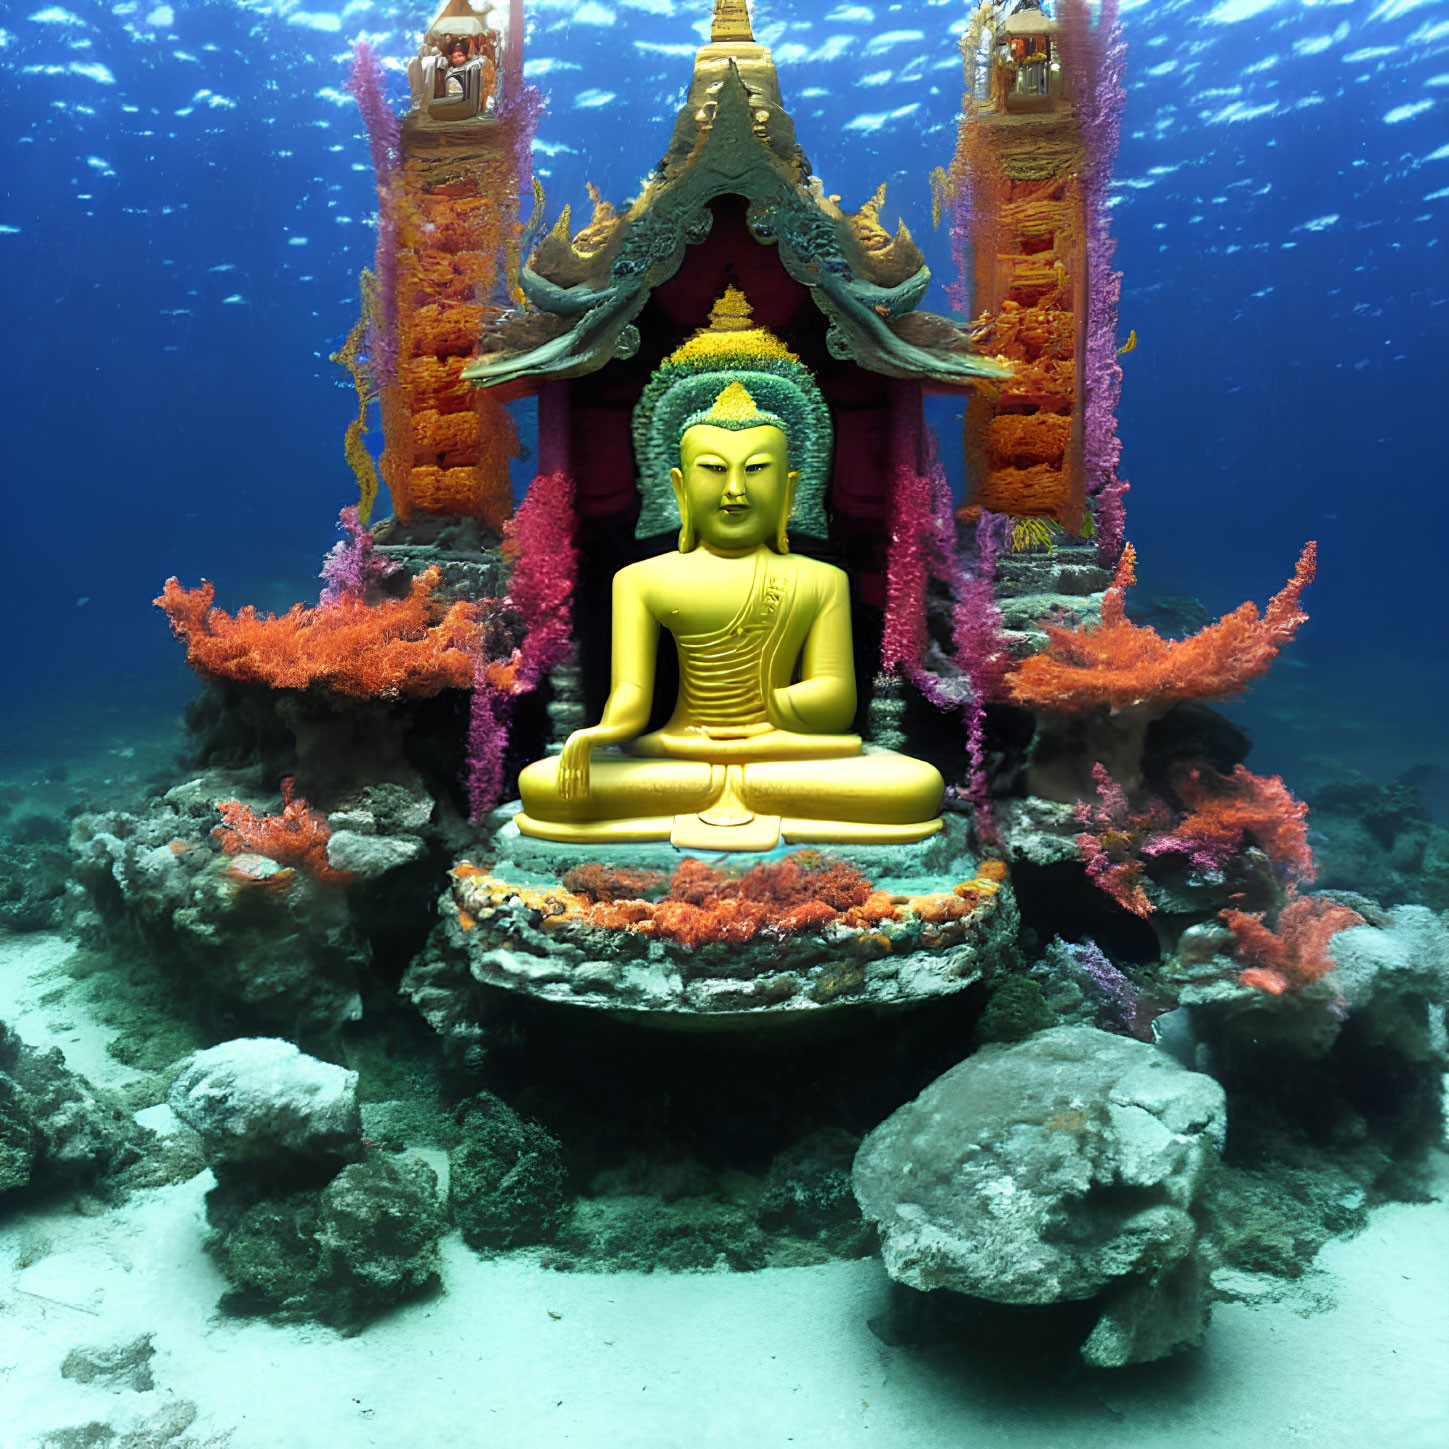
(341, 1254)
(642, 1234)
(54, 1132)
(260, 1102)
(33, 878)
(380, 1224)
(808, 1193)
(1054, 1170)
(1016, 1009)
(506, 1183)
(114, 1365)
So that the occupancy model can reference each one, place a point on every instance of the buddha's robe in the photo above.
(754, 746)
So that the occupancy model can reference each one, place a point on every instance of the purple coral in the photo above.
(491, 714)
(384, 128)
(981, 652)
(522, 104)
(384, 135)
(1097, 55)
(1124, 1003)
(353, 565)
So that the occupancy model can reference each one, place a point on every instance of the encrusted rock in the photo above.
(807, 1193)
(919, 936)
(1392, 980)
(53, 1131)
(505, 1179)
(371, 856)
(270, 945)
(340, 1254)
(1063, 1167)
(260, 1102)
(116, 1365)
(1038, 832)
(386, 809)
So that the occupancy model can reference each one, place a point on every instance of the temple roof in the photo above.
(733, 137)
(460, 17)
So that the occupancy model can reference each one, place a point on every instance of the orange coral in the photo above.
(706, 906)
(401, 647)
(440, 379)
(1049, 384)
(1222, 809)
(612, 883)
(1297, 953)
(437, 435)
(799, 893)
(1124, 665)
(297, 837)
(1041, 490)
(1027, 243)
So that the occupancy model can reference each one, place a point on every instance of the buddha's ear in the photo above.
(782, 540)
(687, 539)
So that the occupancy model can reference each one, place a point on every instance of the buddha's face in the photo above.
(734, 488)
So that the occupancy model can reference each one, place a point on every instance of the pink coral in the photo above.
(1110, 848)
(541, 541)
(923, 546)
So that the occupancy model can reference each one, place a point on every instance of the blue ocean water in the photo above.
(188, 199)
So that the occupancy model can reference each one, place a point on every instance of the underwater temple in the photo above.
(710, 821)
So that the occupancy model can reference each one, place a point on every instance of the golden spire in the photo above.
(732, 337)
(731, 22)
(731, 312)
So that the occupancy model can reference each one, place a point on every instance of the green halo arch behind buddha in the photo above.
(732, 439)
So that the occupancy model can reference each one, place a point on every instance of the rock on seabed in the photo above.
(257, 1100)
(1059, 1168)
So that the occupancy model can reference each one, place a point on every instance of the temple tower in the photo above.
(1021, 162)
(450, 223)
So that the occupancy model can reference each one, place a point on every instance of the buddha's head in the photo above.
(734, 484)
(732, 409)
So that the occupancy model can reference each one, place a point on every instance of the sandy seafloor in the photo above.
(511, 1354)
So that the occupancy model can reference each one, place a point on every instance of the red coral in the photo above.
(598, 882)
(1297, 953)
(411, 646)
(704, 905)
(1223, 809)
(296, 837)
(1124, 665)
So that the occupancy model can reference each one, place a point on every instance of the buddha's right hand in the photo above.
(573, 762)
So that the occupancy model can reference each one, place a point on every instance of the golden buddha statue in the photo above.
(755, 751)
